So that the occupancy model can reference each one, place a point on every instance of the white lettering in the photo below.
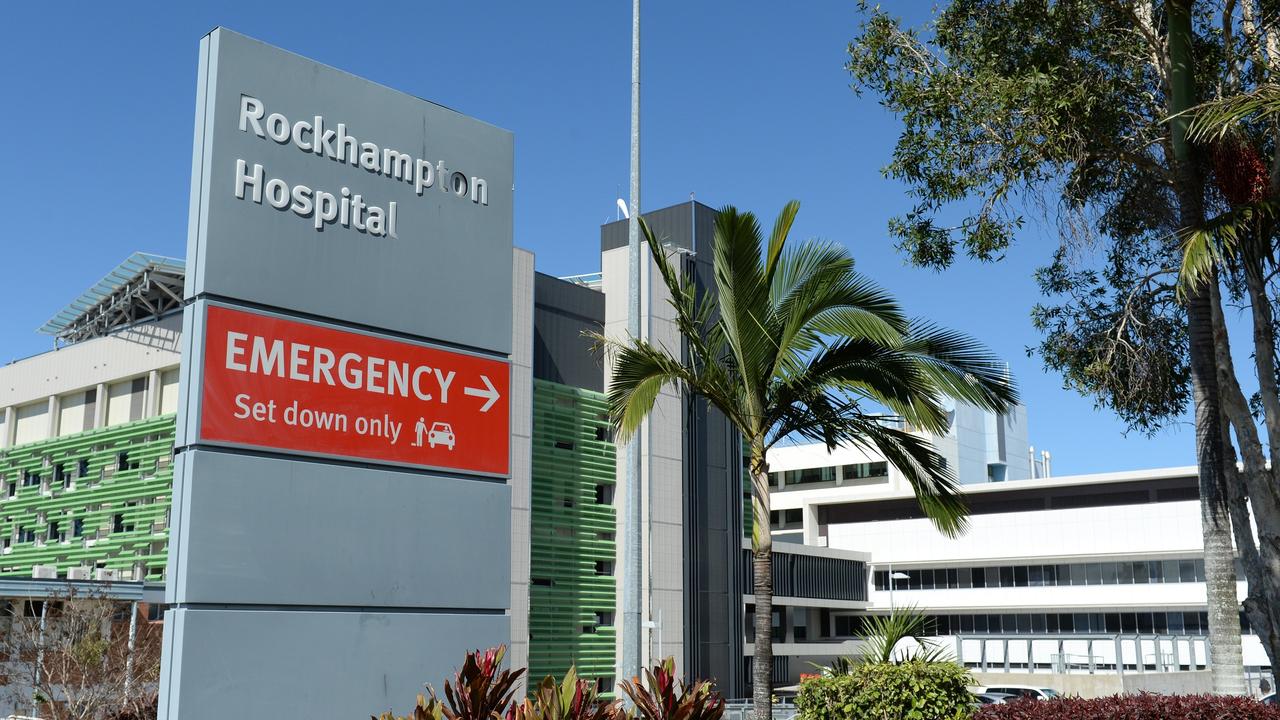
(350, 376)
(298, 363)
(445, 381)
(418, 372)
(242, 179)
(251, 110)
(278, 127)
(235, 350)
(262, 361)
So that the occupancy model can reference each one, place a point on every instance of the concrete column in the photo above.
(152, 406)
(100, 407)
(54, 413)
(10, 426)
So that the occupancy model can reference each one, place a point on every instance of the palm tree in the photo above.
(795, 344)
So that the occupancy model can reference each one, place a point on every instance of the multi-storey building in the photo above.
(86, 438)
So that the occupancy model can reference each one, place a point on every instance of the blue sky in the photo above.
(744, 103)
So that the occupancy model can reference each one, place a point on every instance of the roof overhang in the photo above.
(143, 287)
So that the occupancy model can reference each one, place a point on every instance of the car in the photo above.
(989, 698)
(440, 434)
(1026, 691)
(1269, 699)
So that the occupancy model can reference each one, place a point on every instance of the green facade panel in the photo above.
(573, 526)
(98, 499)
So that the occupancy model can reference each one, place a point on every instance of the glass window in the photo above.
(1155, 570)
(1077, 574)
(1199, 570)
(1159, 623)
(1126, 573)
(1171, 571)
(1035, 576)
(1052, 623)
(1024, 623)
(1175, 623)
(1093, 571)
(1064, 574)
(1020, 576)
(964, 577)
(1129, 622)
(1140, 573)
(993, 577)
(1146, 624)
(1186, 571)
(1038, 623)
(980, 624)
(1006, 576)
(1112, 622)
(979, 577)
(1008, 623)
(1110, 573)
(926, 579)
(953, 578)
(966, 623)
(1097, 622)
(1066, 622)
(1050, 575)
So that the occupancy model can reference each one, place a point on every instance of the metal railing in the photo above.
(742, 709)
(1108, 653)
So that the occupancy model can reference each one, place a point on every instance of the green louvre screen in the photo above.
(97, 499)
(572, 591)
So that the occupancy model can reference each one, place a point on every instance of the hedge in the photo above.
(1134, 707)
(913, 690)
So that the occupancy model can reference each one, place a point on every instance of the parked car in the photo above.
(990, 698)
(1269, 699)
(1026, 691)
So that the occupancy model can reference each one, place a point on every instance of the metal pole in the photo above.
(128, 658)
(631, 587)
(35, 691)
(891, 583)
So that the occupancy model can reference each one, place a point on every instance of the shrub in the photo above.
(912, 690)
(573, 699)
(661, 698)
(479, 691)
(1134, 707)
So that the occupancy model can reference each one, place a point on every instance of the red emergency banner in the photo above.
(289, 385)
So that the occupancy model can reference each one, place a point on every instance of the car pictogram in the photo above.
(440, 434)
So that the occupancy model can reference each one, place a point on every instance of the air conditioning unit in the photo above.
(105, 574)
(44, 572)
(79, 573)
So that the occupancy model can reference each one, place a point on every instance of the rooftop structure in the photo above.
(143, 287)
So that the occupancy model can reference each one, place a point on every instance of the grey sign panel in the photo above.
(320, 192)
(261, 530)
(268, 664)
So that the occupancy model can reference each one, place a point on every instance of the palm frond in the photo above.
(961, 368)
(883, 634)
(1219, 240)
(1213, 120)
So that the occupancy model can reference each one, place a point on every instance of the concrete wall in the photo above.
(47, 395)
(522, 290)
(1103, 685)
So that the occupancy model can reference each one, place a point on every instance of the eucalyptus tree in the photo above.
(793, 343)
(1072, 115)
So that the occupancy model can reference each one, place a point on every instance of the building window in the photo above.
(83, 469)
(77, 527)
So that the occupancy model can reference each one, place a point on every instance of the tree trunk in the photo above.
(1225, 657)
(762, 565)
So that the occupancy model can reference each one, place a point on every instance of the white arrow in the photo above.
(490, 394)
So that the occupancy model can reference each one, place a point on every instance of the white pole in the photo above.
(631, 587)
(891, 581)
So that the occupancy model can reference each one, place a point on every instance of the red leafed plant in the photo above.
(1134, 707)
(572, 699)
(661, 697)
(480, 690)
